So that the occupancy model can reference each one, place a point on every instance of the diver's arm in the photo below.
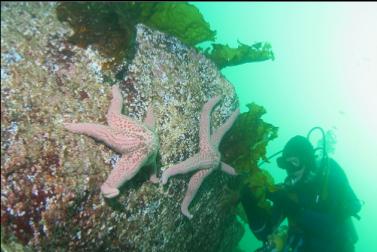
(261, 222)
(348, 203)
(353, 205)
(320, 224)
(344, 204)
(311, 221)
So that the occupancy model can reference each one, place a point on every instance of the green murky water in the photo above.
(324, 74)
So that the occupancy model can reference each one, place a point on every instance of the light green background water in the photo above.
(324, 74)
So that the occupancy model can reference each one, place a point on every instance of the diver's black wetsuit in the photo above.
(325, 226)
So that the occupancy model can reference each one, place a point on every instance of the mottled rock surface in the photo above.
(50, 178)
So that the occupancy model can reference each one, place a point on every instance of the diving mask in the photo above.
(288, 165)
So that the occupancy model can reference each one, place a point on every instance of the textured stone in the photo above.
(50, 179)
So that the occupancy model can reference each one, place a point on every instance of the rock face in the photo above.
(51, 178)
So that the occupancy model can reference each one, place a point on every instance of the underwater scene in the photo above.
(188, 126)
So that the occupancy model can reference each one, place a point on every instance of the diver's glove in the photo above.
(282, 199)
(258, 217)
(250, 204)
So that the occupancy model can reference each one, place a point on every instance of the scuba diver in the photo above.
(316, 199)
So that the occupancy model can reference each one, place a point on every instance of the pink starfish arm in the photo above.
(117, 140)
(114, 116)
(153, 177)
(149, 118)
(220, 131)
(204, 124)
(117, 101)
(193, 187)
(125, 169)
(228, 169)
(188, 165)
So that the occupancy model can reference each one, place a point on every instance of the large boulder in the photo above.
(51, 178)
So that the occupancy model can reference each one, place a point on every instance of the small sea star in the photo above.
(207, 160)
(136, 141)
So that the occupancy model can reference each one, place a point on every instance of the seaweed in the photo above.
(223, 55)
(243, 146)
(110, 28)
(181, 20)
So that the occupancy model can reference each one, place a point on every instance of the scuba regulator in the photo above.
(321, 165)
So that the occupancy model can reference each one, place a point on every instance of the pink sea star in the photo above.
(207, 160)
(136, 141)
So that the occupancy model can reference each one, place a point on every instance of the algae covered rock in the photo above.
(50, 178)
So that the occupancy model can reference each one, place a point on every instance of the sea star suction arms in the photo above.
(136, 141)
(208, 158)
